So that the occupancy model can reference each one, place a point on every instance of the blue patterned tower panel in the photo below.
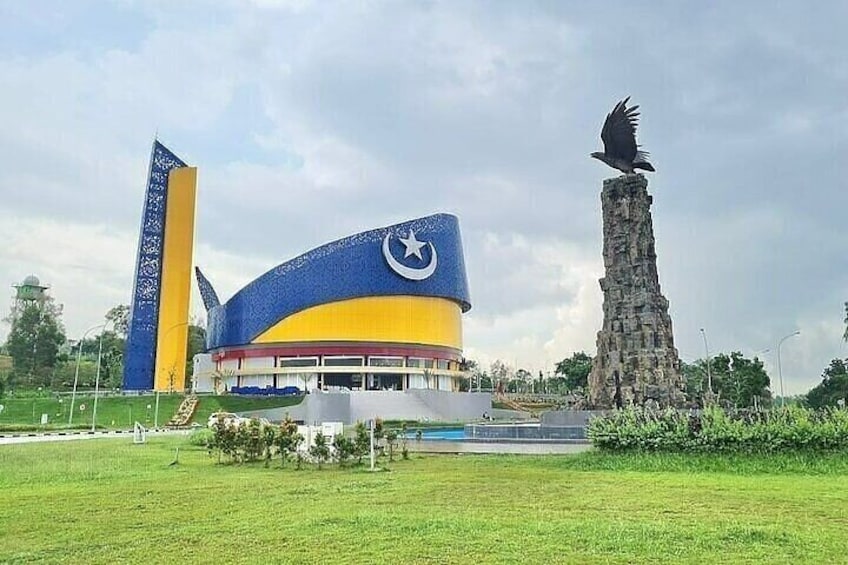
(207, 293)
(140, 353)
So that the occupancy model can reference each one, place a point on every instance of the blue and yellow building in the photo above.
(379, 310)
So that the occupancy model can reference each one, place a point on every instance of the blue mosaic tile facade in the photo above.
(351, 267)
(207, 293)
(140, 352)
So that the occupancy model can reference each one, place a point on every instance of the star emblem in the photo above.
(413, 246)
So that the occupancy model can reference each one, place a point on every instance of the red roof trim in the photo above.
(357, 348)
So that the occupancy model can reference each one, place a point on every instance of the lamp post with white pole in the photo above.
(709, 370)
(779, 368)
(76, 372)
(97, 377)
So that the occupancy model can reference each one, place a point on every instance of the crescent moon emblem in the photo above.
(409, 272)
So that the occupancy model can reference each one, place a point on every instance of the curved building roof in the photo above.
(421, 257)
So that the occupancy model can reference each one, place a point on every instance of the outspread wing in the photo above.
(619, 132)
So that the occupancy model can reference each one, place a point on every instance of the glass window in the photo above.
(344, 361)
(385, 361)
(420, 363)
(442, 364)
(298, 361)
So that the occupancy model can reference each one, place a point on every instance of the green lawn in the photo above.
(122, 411)
(227, 403)
(107, 501)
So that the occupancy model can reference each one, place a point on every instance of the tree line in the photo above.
(43, 357)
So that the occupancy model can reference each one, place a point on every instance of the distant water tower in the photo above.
(30, 291)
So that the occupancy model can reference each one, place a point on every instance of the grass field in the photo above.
(105, 501)
(122, 411)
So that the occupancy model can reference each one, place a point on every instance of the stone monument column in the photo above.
(636, 361)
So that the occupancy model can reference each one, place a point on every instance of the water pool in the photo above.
(443, 434)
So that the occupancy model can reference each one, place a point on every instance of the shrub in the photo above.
(269, 440)
(344, 448)
(202, 437)
(715, 430)
(319, 450)
(361, 442)
(391, 442)
(287, 440)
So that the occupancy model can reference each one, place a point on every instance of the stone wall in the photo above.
(636, 361)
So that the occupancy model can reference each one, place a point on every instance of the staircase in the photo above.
(185, 412)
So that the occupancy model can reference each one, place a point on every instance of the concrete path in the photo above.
(34, 437)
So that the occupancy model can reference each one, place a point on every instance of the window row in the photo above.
(346, 361)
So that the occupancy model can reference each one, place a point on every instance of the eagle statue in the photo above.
(619, 137)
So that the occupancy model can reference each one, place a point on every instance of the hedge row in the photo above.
(715, 430)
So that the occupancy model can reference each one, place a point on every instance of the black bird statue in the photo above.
(619, 137)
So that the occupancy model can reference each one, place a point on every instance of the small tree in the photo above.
(242, 442)
(391, 441)
(255, 440)
(403, 433)
(287, 439)
(378, 429)
(319, 450)
(224, 440)
(379, 433)
(344, 448)
(269, 436)
(120, 317)
(34, 340)
(361, 442)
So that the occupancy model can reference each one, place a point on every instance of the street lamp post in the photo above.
(76, 372)
(780, 369)
(97, 377)
(709, 371)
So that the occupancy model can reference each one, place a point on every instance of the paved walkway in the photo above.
(34, 437)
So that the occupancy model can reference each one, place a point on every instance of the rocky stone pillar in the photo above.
(636, 362)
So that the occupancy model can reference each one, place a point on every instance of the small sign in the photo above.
(43, 419)
(2, 408)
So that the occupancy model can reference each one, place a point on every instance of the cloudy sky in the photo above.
(311, 121)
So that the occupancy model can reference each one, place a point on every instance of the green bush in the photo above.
(202, 437)
(344, 448)
(714, 430)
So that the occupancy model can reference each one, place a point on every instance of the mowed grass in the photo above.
(107, 501)
(120, 412)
